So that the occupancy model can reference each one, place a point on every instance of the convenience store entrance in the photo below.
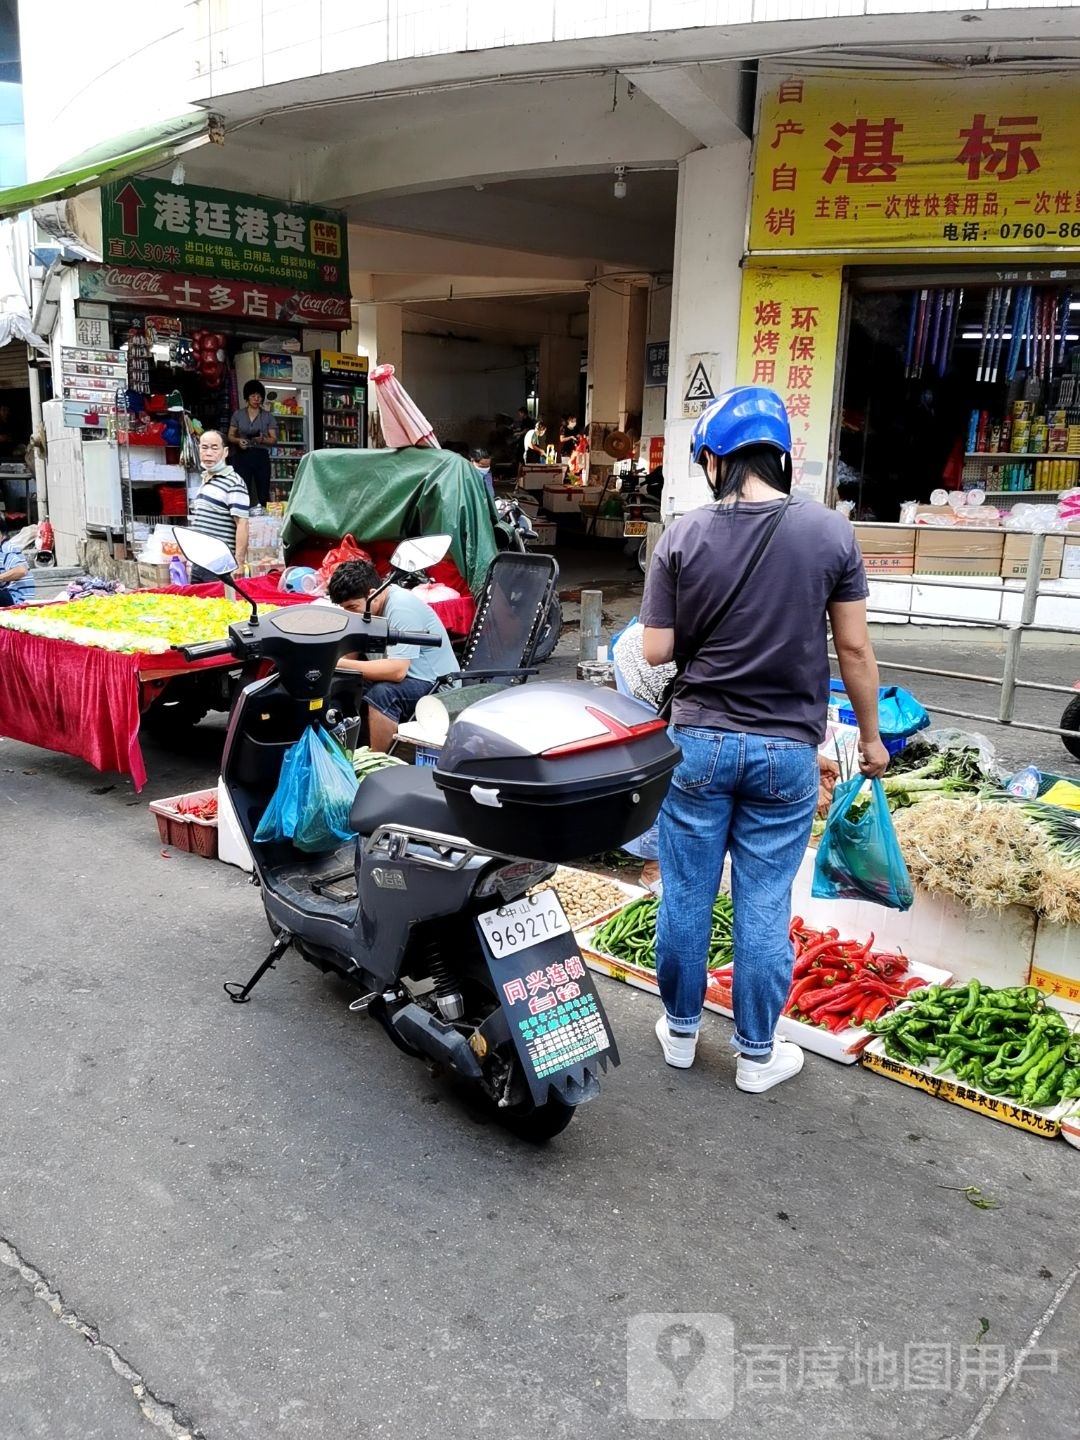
(959, 379)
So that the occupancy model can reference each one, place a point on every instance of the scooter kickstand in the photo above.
(241, 994)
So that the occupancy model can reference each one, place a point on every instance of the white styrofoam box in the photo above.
(995, 946)
(1055, 964)
(1058, 603)
(889, 599)
(963, 602)
(232, 846)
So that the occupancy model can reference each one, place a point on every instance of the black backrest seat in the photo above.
(400, 795)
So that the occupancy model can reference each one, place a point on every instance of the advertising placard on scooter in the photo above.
(547, 995)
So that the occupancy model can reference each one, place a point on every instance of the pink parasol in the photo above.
(402, 422)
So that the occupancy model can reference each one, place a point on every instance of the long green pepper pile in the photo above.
(1006, 1042)
(630, 934)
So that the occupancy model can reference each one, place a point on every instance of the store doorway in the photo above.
(959, 383)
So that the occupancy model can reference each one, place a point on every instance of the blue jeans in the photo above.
(754, 797)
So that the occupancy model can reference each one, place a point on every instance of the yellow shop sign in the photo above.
(960, 165)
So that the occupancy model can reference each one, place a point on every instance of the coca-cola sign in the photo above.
(207, 296)
(141, 282)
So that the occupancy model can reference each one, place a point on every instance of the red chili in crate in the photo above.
(838, 983)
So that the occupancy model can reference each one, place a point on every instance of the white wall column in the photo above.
(710, 231)
(389, 345)
(617, 318)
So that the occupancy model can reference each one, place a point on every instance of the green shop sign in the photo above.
(224, 235)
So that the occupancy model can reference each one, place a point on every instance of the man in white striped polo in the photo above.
(220, 509)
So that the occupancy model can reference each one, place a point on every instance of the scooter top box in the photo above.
(555, 771)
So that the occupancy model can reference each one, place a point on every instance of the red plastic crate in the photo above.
(186, 832)
(173, 500)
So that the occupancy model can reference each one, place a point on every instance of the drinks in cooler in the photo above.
(340, 400)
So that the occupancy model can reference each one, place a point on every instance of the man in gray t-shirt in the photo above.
(749, 712)
(767, 670)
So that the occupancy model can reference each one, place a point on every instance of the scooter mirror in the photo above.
(412, 556)
(204, 551)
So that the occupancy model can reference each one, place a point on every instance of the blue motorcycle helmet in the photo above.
(746, 415)
(744, 418)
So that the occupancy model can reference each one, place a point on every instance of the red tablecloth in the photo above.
(85, 702)
(73, 699)
(82, 701)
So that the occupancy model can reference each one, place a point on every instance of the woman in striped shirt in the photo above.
(220, 509)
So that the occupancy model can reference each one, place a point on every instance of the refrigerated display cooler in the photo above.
(290, 399)
(340, 400)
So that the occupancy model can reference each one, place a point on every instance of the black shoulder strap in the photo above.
(706, 631)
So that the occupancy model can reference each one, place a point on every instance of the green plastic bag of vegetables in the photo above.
(859, 856)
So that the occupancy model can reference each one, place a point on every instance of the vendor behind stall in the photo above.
(220, 509)
(16, 588)
(252, 430)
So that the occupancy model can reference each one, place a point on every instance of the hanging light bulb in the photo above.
(619, 188)
(179, 174)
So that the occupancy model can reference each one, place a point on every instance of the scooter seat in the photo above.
(400, 795)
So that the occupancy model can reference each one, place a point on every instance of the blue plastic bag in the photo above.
(314, 795)
(858, 856)
(899, 713)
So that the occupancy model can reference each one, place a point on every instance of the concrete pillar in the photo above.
(560, 374)
(618, 311)
(388, 338)
(710, 229)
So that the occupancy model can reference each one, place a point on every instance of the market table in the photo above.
(87, 702)
(84, 701)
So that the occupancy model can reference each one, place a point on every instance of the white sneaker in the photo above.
(678, 1049)
(752, 1075)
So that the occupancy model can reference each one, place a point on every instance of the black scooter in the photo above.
(428, 911)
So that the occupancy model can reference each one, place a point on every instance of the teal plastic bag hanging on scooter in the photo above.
(859, 856)
(314, 796)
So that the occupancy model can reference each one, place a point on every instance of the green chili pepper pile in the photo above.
(630, 935)
(1006, 1042)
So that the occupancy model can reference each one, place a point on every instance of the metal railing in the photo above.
(1015, 630)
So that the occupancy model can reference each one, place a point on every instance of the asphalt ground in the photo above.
(266, 1222)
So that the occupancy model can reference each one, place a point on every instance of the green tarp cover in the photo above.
(392, 495)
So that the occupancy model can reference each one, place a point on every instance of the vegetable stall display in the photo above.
(841, 983)
(1004, 1042)
(630, 934)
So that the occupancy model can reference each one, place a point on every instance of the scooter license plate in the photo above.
(524, 923)
(634, 529)
(556, 1020)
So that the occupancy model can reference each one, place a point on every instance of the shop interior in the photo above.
(189, 369)
(962, 382)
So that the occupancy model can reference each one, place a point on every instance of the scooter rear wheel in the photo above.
(541, 1123)
(1070, 720)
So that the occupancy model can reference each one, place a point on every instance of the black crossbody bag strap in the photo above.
(709, 629)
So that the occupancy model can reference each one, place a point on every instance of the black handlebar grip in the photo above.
(206, 650)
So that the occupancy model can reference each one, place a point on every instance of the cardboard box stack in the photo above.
(887, 549)
(1014, 562)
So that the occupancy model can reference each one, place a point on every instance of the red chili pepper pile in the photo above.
(198, 809)
(837, 983)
